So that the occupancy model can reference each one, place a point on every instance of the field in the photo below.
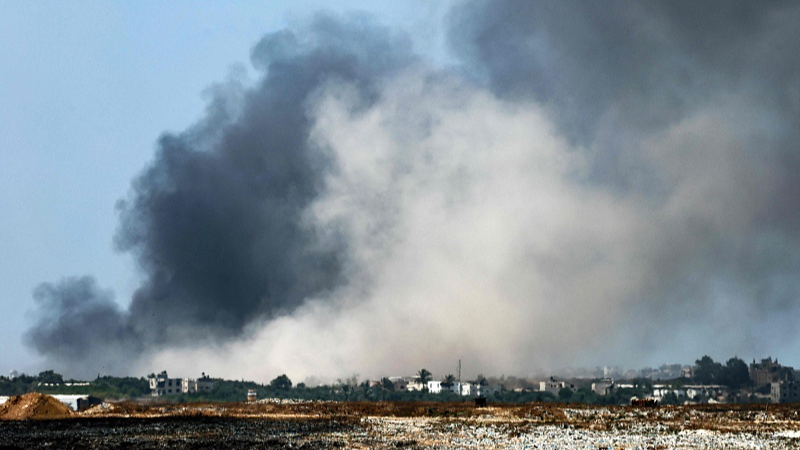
(327, 425)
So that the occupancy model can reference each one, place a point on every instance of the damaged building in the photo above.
(162, 384)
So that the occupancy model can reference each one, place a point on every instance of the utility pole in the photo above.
(459, 372)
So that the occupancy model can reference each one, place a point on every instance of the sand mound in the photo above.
(33, 406)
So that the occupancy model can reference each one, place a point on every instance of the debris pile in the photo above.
(33, 406)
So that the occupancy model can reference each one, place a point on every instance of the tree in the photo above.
(424, 376)
(449, 381)
(736, 374)
(48, 376)
(282, 383)
(707, 371)
(387, 384)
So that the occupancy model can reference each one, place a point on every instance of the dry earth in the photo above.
(325, 425)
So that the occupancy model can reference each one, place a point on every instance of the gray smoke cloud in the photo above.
(692, 107)
(597, 184)
(78, 321)
(215, 220)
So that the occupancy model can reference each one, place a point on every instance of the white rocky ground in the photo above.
(438, 434)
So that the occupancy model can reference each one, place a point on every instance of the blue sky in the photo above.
(86, 88)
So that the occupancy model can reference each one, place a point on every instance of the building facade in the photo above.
(552, 386)
(162, 384)
(435, 387)
(603, 387)
(769, 371)
(785, 392)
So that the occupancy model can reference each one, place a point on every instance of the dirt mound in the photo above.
(33, 406)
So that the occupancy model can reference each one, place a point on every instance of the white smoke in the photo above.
(472, 235)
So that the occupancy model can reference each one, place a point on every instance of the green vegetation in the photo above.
(49, 382)
(281, 383)
(734, 374)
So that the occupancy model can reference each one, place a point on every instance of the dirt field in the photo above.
(327, 425)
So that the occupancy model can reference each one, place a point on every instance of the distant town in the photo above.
(707, 381)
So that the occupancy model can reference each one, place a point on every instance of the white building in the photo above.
(399, 383)
(603, 387)
(483, 391)
(552, 386)
(435, 387)
(202, 384)
(414, 385)
(696, 391)
(690, 392)
(461, 388)
(161, 384)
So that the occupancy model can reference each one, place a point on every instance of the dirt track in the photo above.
(326, 425)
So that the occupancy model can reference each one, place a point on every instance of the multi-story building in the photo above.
(603, 387)
(769, 371)
(399, 383)
(162, 384)
(461, 388)
(552, 386)
(414, 385)
(785, 392)
(202, 384)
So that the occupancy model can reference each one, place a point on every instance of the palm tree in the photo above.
(424, 376)
(449, 381)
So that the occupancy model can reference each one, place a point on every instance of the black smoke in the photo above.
(216, 220)
(78, 320)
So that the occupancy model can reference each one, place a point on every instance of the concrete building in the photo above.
(768, 371)
(698, 391)
(484, 390)
(660, 390)
(461, 388)
(692, 392)
(414, 385)
(399, 383)
(785, 392)
(435, 387)
(162, 384)
(603, 387)
(552, 386)
(202, 384)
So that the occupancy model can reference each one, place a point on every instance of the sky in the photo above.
(282, 187)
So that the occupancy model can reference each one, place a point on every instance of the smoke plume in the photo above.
(608, 184)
